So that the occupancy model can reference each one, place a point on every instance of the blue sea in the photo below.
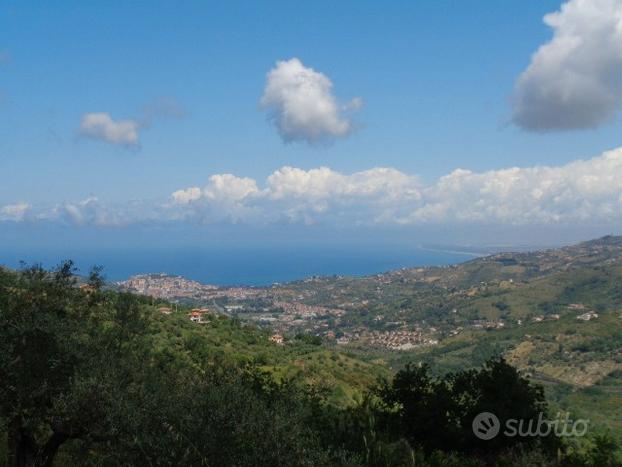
(237, 266)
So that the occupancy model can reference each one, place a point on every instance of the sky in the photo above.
(462, 122)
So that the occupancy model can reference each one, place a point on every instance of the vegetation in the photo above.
(522, 306)
(98, 378)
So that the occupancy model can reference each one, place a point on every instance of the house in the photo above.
(88, 288)
(196, 316)
(165, 310)
(277, 338)
(588, 316)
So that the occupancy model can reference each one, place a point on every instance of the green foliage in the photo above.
(97, 378)
(436, 412)
(309, 339)
(89, 373)
(600, 451)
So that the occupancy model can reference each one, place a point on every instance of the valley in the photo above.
(555, 314)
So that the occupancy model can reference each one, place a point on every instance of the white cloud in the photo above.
(101, 126)
(188, 195)
(581, 191)
(294, 194)
(575, 80)
(324, 183)
(221, 187)
(230, 188)
(226, 198)
(301, 104)
(89, 212)
(14, 212)
(81, 212)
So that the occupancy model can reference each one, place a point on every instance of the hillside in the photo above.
(129, 366)
(556, 314)
(344, 378)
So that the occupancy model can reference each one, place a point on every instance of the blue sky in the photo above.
(437, 79)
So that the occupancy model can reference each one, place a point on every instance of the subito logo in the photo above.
(486, 426)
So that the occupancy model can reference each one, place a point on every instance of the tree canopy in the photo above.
(99, 378)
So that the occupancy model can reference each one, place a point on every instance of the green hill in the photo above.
(343, 377)
(525, 306)
(97, 377)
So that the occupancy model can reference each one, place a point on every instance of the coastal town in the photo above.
(277, 308)
(398, 310)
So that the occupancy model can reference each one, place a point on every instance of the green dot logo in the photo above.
(486, 426)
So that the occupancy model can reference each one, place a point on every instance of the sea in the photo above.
(250, 266)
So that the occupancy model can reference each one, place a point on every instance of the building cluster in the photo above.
(306, 311)
(277, 338)
(590, 315)
(398, 340)
(165, 286)
(488, 324)
(165, 310)
(199, 315)
(239, 293)
(176, 288)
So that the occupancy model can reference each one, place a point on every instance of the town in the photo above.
(396, 311)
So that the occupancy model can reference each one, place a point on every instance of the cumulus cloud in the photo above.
(228, 187)
(578, 193)
(581, 191)
(301, 104)
(225, 198)
(92, 212)
(575, 80)
(295, 194)
(221, 187)
(87, 211)
(14, 212)
(188, 195)
(100, 126)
